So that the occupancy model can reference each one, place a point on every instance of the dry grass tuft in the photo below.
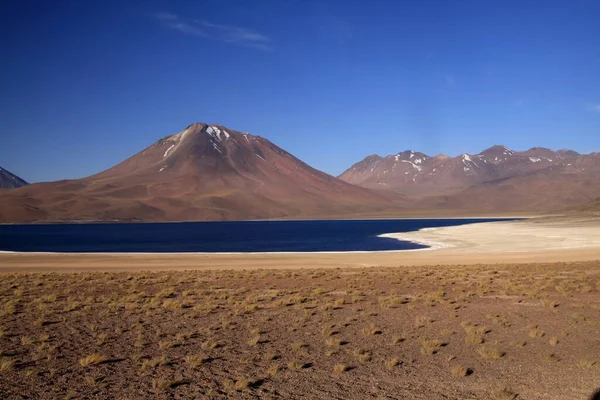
(391, 363)
(536, 332)
(489, 352)
(363, 356)
(93, 359)
(372, 330)
(398, 339)
(460, 370)
(299, 347)
(6, 364)
(430, 346)
(273, 370)
(254, 340)
(241, 384)
(549, 303)
(585, 363)
(194, 360)
(340, 368)
(295, 365)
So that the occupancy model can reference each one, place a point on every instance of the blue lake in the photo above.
(216, 237)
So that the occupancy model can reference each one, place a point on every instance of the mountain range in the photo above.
(498, 178)
(210, 172)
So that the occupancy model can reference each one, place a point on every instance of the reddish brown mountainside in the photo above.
(9, 180)
(202, 173)
(497, 179)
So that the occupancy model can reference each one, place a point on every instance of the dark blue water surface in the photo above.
(214, 237)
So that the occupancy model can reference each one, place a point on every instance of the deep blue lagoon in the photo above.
(219, 237)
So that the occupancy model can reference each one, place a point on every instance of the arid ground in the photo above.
(377, 328)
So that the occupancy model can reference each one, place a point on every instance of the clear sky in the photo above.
(86, 84)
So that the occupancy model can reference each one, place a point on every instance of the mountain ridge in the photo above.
(497, 178)
(421, 170)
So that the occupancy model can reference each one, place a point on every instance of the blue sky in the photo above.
(86, 84)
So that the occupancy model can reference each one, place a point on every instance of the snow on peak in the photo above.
(535, 159)
(466, 157)
(413, 164)
(215, 132)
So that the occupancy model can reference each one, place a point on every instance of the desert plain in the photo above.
(503, 310)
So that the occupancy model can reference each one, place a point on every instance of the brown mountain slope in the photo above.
(497, 179)
(417, 174)
(552, 189)
(202, 173)
(9, 180)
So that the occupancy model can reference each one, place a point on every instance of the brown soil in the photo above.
(307, 333)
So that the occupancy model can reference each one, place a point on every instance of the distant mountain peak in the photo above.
(497, 150)
(8, 180)
(568, 153)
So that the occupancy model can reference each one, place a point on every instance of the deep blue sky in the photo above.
(85, 84)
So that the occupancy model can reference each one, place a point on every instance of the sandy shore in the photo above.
(534, 240)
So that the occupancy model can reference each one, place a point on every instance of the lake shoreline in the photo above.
(482, 243)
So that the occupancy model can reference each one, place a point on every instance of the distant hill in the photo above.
(205, 172)
(497, 179)
(9, 180)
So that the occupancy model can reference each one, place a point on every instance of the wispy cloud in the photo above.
(593, 107)
(241, 36)
(225, 33)
(173, 21)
